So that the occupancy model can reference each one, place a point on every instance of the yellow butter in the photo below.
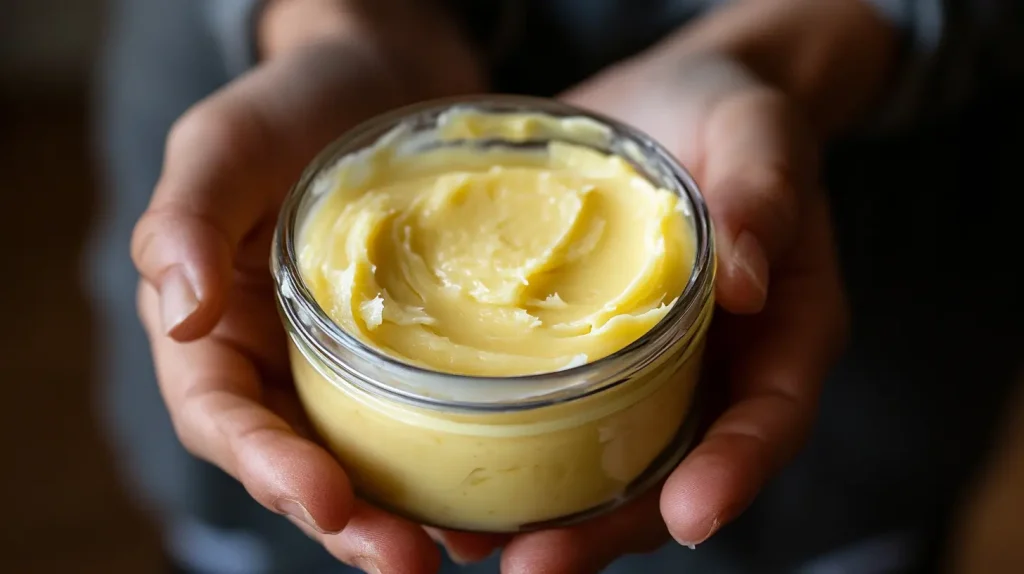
(497, 261)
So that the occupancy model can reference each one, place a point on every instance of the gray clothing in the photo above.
(905, 414)
(947, 46)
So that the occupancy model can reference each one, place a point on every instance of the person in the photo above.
(212, 108)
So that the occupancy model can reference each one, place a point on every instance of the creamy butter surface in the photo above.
(467, 244)
(495, 261)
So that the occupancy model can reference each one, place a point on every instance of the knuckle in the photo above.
(773, 180)
(771, 99)
(144, 306)
(777, 198)
(213, 130)
(772, 102)
(143, 235)
(186, 422)
(192, 447)
(193, 128)
(570, 540)
(185, 432)
(760, 101)
(192, 420)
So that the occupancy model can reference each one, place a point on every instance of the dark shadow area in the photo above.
(64, 508)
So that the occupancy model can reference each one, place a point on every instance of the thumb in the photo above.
(743, 143)
(228, 164)
(757, 162)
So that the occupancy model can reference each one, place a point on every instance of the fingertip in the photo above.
(707, 491)
(296, 478)
(635, 528)
(690, 517)
(188, 263)
(184, 316)
(378, 542)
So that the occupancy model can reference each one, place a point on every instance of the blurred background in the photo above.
(66, 511)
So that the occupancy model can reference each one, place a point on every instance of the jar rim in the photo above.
(294, 296)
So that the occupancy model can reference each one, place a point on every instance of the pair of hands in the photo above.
(206, 298)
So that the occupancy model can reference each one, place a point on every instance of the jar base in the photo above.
(669, 458)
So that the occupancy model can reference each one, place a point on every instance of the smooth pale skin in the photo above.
(203, 244)
(496, 262)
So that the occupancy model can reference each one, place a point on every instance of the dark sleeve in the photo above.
(233, 26)
(951, 49)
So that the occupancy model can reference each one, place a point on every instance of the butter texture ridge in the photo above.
(496, 261)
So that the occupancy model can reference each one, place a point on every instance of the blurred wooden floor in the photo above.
(64, 512)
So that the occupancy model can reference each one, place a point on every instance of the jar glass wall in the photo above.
(498, 454)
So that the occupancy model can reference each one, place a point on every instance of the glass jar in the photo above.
(499, 454)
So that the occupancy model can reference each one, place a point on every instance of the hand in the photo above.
(206, 297)
(750, 139)
(778, 285)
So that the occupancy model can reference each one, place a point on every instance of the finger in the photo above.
(213, 393)
(467, 547)
(377, 542)
(589, 547)
(757, 163)
(229, 162)
(775, 387)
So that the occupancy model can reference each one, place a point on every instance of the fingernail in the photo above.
(366, 565)
(177, 299)
(749, 256)
(434, 534)
(438, 537)
(460, 560)
(715, 524)
(295, 510)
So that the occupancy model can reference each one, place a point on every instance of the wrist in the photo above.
(837, 63)
(283, 26)
(413, 41)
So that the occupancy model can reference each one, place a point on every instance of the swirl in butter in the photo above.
(496, 260)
